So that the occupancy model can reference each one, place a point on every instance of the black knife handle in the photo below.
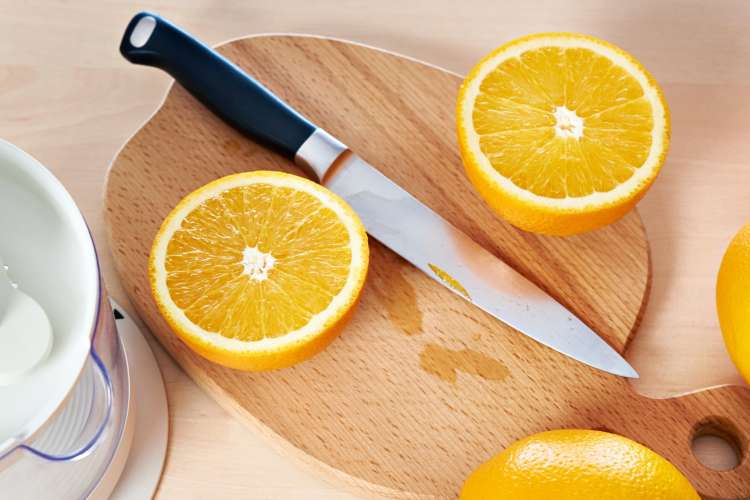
(220, 85)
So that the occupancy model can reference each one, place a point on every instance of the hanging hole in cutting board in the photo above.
(715, 445)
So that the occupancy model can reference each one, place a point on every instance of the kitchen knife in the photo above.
(390, 214)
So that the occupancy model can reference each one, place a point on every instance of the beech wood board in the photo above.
(421, 387)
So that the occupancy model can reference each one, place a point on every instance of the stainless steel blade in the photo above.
(412, 230)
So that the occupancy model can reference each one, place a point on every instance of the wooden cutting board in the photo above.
(421, 387)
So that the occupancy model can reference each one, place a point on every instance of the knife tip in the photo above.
(624, 369)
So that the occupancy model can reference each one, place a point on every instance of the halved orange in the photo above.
(561, 133)
(259, 270)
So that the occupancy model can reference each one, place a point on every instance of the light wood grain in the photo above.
(422, 387)
(68, 98)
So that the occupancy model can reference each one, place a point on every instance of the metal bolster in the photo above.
(318, 152)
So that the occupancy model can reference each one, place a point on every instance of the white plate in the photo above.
(150, 418)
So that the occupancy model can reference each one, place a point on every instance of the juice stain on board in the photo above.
(444, 363)
(399, 296)
(400, 300)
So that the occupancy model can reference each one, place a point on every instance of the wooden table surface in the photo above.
(69, 99)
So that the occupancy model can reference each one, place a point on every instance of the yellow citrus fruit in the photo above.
(561, 133)
(259, 270)
(733, 300)
(574, 464)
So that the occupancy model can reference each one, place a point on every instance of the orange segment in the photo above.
(561, 133)
(258, 270)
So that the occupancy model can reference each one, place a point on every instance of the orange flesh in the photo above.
(514, 115)
(206, 274)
